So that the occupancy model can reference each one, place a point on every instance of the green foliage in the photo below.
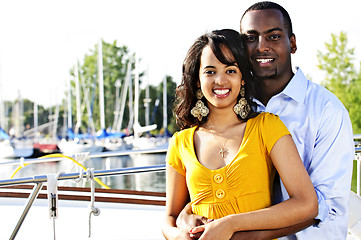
(341, 76)
(115, 60)
(157, 112)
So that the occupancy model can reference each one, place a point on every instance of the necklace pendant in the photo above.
(222, 152)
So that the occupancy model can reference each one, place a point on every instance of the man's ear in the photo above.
(293, 43)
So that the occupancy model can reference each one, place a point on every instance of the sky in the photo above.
(40, 40)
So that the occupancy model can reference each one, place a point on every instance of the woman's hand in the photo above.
(183, 235)
(187, 220)
(219, 229)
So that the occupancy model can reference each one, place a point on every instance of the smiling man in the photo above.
(317, 120)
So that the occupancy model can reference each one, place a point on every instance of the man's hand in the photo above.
(187, 220)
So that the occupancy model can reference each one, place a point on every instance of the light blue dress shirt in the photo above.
(322, 131)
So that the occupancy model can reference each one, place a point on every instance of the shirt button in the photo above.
(220, 193)
(218, 178)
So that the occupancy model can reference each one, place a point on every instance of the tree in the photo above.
(115, 60)
(156, 111)
(341, 76)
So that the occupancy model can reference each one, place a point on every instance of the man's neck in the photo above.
(267, 88)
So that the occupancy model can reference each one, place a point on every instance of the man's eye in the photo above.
(275, 37)
(250, 38)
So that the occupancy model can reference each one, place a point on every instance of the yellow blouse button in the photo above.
(218, 178)
(220, 193)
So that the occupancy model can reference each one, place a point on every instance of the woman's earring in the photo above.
(242, 108)
(199, 110)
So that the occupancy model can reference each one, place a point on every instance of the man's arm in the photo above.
(187, 220)
(272, 234)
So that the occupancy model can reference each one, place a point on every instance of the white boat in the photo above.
(119, 219)
(120, 210)
(16, 148)
(147, 141)
(72, 147)
(76, 142)
(123, 214)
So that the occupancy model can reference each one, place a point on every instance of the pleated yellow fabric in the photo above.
(245, 184)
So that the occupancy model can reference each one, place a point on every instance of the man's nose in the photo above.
(263, 45)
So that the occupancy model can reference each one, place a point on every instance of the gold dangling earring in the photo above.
(199, 110)
(242, 108)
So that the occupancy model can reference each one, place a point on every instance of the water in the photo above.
(154, 181)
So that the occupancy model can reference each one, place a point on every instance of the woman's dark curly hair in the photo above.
(185, 98)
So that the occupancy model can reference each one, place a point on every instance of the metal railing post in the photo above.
(358, 176)
(28, 205)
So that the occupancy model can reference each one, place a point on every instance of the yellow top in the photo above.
(243, 185)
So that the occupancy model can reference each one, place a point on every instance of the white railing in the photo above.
(358, 167)
(39, 180)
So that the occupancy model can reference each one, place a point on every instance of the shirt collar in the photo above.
(296, 88)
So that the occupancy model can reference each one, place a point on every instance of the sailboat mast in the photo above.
(77, 89)
(36, 124)
(130, 105)
(101, 84)
(165, 103)
(2, 110)
(69, 106)
(128, 78)
(146, 102)
(136, 98)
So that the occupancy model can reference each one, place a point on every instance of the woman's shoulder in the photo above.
(183, 138)
(266, 116)
(266, 121)
(183, 134)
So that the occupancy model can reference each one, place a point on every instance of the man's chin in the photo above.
(265, 75)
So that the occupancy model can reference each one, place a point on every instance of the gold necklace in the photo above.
(224, 150)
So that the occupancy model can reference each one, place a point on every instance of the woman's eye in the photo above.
(209, 72)
(231, 71)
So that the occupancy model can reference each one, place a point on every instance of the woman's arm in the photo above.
(301, 206)
(176, 199)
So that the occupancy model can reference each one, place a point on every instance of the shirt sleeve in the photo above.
(172, 157)
(331, 167)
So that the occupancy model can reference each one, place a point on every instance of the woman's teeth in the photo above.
(221, 92)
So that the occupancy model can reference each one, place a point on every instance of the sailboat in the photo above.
(16, 145)
(147, 142)
(77, 142)
(111, 141)
(42, 145)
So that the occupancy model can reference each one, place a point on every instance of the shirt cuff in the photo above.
(324, 211)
